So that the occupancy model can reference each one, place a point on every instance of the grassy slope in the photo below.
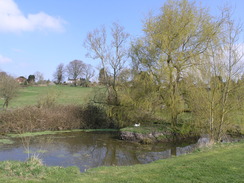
(223, 163)
(65, 95)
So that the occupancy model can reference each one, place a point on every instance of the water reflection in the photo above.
(90, 149)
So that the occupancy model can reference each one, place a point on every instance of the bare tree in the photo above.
(89, 72)
(8, 88)
(112, 55)
(2, 73)
(118, 56)
(59, 73)
(75, 69)
(96, 44)
(39, 77)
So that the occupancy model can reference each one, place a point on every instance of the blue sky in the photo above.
(38, 35)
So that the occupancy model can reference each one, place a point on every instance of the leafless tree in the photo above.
(112, 55)
(89, 72)
(39, 77)
(59, 73)
(75, 69)
(8, 88)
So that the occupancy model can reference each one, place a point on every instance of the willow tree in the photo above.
(174, 41)
(232, 65)
(218, 99)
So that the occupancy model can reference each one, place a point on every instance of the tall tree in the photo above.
(31, 79)
(59, 73)
(8, 88)
(102, 77)
(89, 72)
(112, 55)
(174, 42)
(39, 78)
(216, 107)
(75, 69)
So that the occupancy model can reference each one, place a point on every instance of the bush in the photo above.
(58, 117)
(29, 119)
(95, 116)
(48, 100)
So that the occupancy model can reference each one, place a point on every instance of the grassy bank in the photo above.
(64, 95)
(146, 130)
(154, 133)
(221, 163)
(33, 134)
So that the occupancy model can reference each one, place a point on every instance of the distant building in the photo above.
(21, 80)
(79, 82)
(71, 81)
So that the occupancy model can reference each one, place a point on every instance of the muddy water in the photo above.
(89, 149)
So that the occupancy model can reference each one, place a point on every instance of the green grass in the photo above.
(147, 129)
(32, 134)
(239, 119)
(6, 141)
(221, 163)
(65, 95)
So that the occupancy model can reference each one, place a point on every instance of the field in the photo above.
(220, 163)
(63, 94)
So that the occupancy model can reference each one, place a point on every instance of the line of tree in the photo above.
(185, 70)
(75, 70)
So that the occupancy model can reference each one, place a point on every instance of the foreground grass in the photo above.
(221, 163)
(64, 95)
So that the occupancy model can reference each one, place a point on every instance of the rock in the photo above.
(127, 136)
(139, 137)
(203, 141)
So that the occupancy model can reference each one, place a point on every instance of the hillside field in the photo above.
(63, 95)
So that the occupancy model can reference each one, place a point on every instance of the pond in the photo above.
(90, 149)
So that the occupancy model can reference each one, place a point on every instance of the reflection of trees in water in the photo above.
(97, 149)
(87, 150)
(185, 150)
(117, 154)
(101, 149)
(153, 156)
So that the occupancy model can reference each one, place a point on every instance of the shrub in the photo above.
(95, 116)
(48, 100)
(29, 119)
(58, 117)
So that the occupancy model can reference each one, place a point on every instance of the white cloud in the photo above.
(13, 20)
(4, 59)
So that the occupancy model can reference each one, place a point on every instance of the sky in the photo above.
(38, 35)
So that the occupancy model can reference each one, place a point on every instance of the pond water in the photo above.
(90, 149)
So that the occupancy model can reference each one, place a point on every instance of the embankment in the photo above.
(152, 134)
